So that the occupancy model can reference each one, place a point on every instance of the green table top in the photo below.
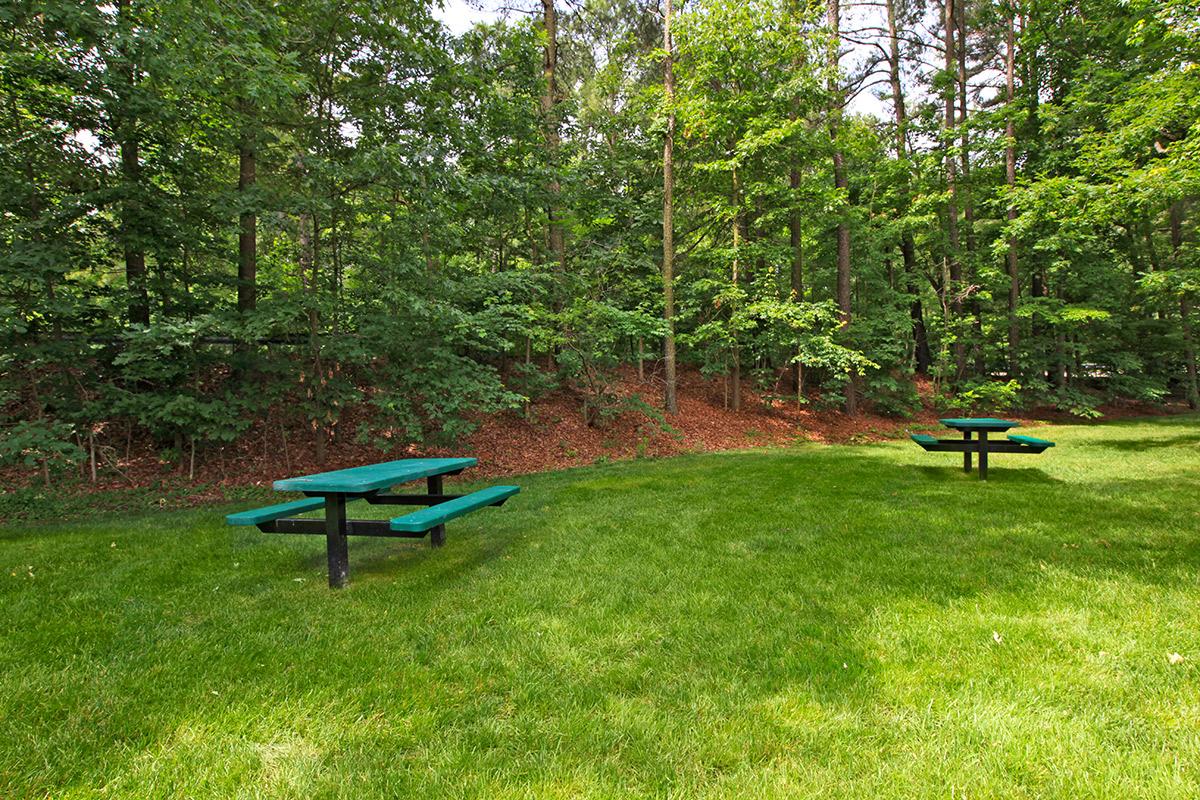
(373, 476)
(979, 423)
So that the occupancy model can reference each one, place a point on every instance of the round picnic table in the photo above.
(980, 427)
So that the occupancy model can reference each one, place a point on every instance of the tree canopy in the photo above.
(211, 209)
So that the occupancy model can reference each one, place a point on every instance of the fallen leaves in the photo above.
(508, 443)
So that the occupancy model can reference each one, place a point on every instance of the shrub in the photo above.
(988, 397)
(891, 395)
(42, 444)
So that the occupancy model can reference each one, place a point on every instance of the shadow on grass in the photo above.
(467, 548)
(1010, 475)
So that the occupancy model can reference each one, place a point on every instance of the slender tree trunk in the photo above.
(39, 413)
(1151, 249)
(922, 355)
(247, 294)
(555, 238)
(796, 231)
(135, 254)
(796, 237)
(1060, 359)
(131, 206)
(1189, 353)
(1010, 178)
(968, 195)
(840, 182)
(953, 267)
(1185, 309)
(1037, 329)
(916, 312)
(735, 377)
(309, 277)
(795, 221)
(670, 401)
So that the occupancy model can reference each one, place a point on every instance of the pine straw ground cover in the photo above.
(789, 622)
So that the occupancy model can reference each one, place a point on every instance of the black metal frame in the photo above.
(336, 527)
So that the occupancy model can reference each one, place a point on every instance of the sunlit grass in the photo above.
(818, 621)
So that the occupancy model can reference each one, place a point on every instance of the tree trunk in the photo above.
(922, 355)
(135, 254)
(132, 227)
(1060, 359)
(968, 196)
(953, 268)
(555, 238)
(795, 237)
(916, 313)
(247, 293)
(309, 278)
(1185, 309)
(735, 376)
(795, 222)
(1189, 352)
(1010, 178)
(796, 231)
(840, 182)
(670, 401)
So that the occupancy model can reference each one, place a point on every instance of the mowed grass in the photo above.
(806, 622)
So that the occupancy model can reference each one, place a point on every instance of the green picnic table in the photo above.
(331, 491)
(975, 439)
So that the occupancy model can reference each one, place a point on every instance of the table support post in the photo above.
(437, 534)
(983, 453)
(335, 540)
(966, 453)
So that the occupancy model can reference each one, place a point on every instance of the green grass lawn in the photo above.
(818, 621)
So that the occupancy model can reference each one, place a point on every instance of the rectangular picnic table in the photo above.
(980, 427)
(333, 490)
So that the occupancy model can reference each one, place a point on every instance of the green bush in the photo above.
(988, 397)
(1077, 403)
(40, 444)
(891, 395)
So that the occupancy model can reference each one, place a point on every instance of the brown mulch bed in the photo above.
(553, 436)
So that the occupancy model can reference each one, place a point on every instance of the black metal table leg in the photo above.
(437, 534)
(983, 453)
(335, 540)
(966, 453)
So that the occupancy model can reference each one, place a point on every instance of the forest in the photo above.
(218, 209)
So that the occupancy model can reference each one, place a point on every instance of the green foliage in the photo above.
(1077, 403)
(656, 423)
(892, 395)
(170, 387)
(593, 335)
(404, 189)
(988, 398)
(39, 444)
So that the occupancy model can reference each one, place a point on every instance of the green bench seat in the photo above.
(924, 439)
(440, 514)
(257, 516)
(1031, 441)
